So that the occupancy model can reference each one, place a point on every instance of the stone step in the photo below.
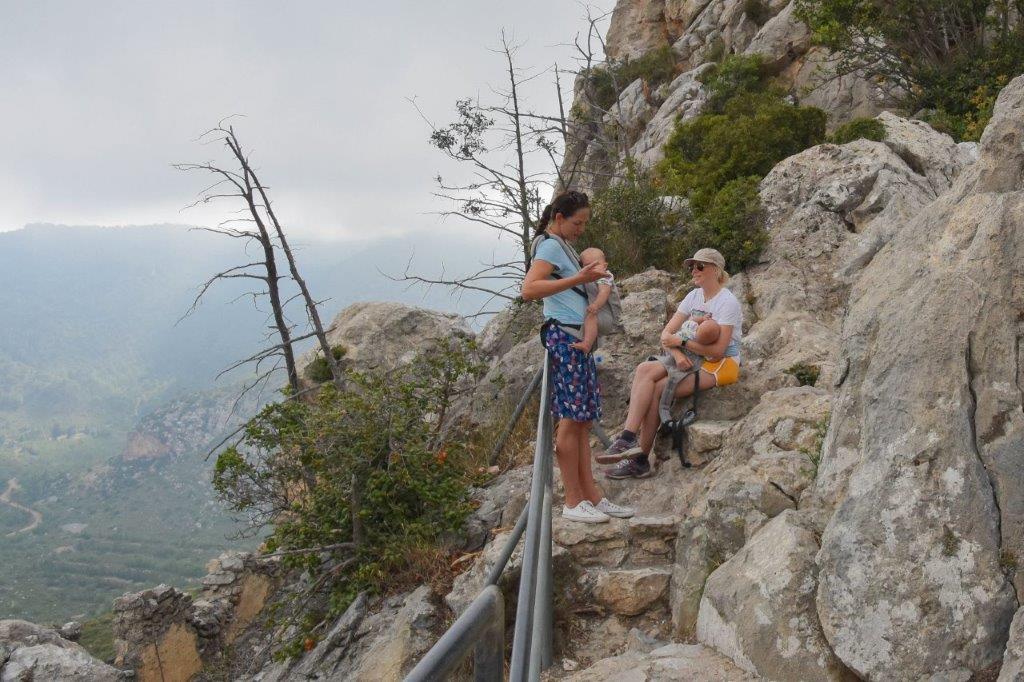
(636, 542)
(631, 592)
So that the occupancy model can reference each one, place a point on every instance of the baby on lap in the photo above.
(604, 290)
(698, 327)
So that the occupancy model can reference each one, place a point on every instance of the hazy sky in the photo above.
(101, 97)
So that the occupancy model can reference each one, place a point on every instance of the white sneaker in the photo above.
(612, 509)
(584, 512)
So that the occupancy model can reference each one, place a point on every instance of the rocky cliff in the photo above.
(861, 514)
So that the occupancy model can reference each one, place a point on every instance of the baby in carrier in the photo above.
(700, 328)
(604, 290)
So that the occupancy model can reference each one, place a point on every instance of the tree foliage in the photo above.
(716, 160)
(947, 56)
(359, 481)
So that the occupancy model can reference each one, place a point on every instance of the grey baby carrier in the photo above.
(609, 317)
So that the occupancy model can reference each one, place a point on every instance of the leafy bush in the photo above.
(732, 222)
(754, 132)
(735, 75)
(717, 159)
(608, 81)
(630, 222)
(757, 11)
(858, 128)
(947, 56)
(806, 374)
(318, 370)
(357, 484)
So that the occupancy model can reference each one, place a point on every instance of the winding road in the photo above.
(12, 487)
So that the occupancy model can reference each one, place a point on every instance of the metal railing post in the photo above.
(489, 654)
(519, 665)
(499, 445)
(481, 629)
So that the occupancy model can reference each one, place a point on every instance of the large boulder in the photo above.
(914, 561)
(386, 334)
(32, 652)
(758, 607)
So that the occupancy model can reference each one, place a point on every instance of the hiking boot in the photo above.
(612, 509)
(619, 449)
(584, 512)
(630, 468)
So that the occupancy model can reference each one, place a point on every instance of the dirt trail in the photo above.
(37, 518)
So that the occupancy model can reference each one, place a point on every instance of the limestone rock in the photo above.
(32, 652)
(1013, 660)
(782, 40)
(596, 544)
(758, 607)
(706, 436)
(516, 323)
(685, 98)
(631, 592)
(386, 334)
(682, 662)
(910, 576)
(469, 584)
(500, 503)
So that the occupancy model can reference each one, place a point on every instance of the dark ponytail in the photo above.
(566, 203)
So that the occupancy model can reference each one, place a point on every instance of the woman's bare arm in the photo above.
(668, 334)
(536, 284)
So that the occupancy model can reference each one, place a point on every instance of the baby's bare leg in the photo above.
(589, 333)
(708, 332)
(677, 355)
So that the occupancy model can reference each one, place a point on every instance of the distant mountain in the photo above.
(108, 402)
(90, 332)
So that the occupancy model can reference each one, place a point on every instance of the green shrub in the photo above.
(806, 374)
(950, 57)
(757, 11)
(858, 128)
(629, 224)
(318, 370)
(735, 75)
(373, 466)
(754, 132)
(718, 158)
(609, 80)
(732, 222)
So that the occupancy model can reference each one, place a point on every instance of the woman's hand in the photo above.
(591, 272)
(670, 341)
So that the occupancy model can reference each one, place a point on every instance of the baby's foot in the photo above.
(581, 345)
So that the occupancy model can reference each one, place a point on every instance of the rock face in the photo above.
(1012, 669)
(913, 562)
(31, 652)
(163, 633)
(758, 607)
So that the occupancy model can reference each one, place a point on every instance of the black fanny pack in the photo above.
(575, 331)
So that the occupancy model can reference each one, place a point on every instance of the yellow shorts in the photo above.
(726, 371)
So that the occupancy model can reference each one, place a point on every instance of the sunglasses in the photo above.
(697, 266)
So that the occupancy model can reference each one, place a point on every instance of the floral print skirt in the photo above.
(575, 392)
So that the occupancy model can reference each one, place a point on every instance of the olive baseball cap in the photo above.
(706, 256)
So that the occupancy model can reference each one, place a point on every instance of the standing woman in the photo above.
(575, 393)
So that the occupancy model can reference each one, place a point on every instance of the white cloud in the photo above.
(100, 99)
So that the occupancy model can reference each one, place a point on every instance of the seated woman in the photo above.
(719, 316)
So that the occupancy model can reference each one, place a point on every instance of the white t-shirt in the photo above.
(723, 308)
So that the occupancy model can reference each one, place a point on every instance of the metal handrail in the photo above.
(531, 644)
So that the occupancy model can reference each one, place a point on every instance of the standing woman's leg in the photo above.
(567, 453)
(588, 486)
